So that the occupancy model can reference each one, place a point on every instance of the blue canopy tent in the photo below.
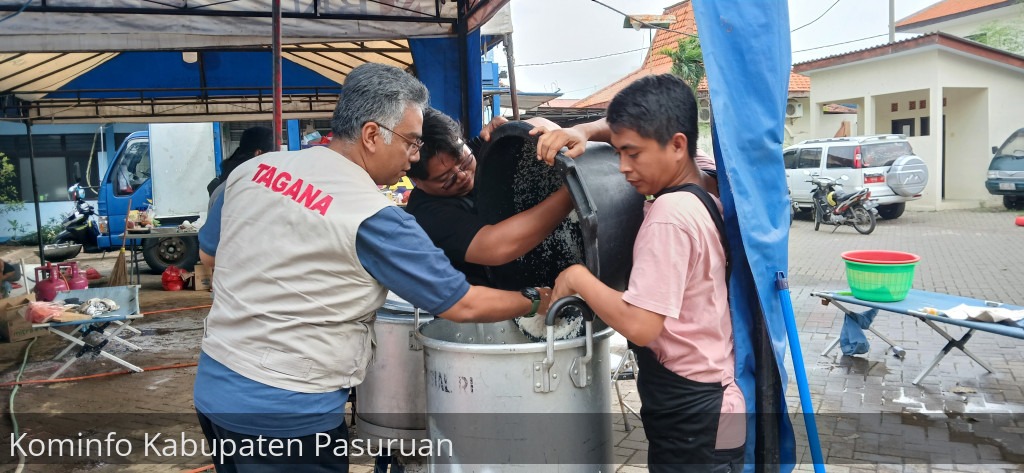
(185, 60)
(63, 61)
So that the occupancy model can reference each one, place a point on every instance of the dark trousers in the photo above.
(680, 417)
(307, 462)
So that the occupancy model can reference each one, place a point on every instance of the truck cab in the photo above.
(168, 167)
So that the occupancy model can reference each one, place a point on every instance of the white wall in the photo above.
(967, 157)
(799, 129)
(27, 216)
(62, 206)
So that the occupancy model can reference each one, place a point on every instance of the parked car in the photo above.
(1006, 171)
(884, 164)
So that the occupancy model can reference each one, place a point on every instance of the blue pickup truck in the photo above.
(166, 167)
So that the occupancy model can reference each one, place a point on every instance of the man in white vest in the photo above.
(305, 249)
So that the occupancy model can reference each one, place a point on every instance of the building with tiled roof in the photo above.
(658, 63)
(954, 98)
(957, 17)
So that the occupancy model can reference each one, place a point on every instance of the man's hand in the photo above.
(552, 141)
(489, 128)
(564, 285)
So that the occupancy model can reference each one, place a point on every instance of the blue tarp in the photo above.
(747, 56)
(437, 66)
(155, 70)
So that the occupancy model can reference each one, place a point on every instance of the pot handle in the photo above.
(560, 305)
(544, 379)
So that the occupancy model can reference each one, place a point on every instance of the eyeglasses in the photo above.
(414, 144)
(459, 168)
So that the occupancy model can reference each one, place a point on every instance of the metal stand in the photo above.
(83, 331)
(628, 358)
(895, 349)
(127, 300)
(950, 344)
(98, 349)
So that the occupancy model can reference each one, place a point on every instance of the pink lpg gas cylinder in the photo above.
(47, 289)
(75, 279)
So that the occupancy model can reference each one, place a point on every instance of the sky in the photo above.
(568, 30)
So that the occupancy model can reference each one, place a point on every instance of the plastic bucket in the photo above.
(880, 275)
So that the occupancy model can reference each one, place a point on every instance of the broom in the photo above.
(119, 275)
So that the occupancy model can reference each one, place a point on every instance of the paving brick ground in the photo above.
(871, 417)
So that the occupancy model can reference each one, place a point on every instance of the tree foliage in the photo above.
(10, 201)
(1005, 35)
(687, 61)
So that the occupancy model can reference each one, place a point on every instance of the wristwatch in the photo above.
(533, 295)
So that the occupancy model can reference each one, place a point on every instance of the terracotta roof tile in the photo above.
(964, 46)
(560, 103)
(658, 63)
(799, 82)
(685, 25)
(948, 8)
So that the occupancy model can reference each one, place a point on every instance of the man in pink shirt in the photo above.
(675, 312)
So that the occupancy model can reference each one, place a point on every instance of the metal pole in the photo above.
(510, 57)
(892, 21)
(782, 284)
(35, 190)
(463, 33)
(276, 21)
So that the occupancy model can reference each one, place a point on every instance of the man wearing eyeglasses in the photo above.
(443, 201)
(305, 249)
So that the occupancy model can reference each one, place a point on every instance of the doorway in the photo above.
(903, 126)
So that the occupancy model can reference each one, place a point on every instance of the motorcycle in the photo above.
(79, 228)
(833, 207)
(793, 208)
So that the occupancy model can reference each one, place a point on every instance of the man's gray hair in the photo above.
(376, 93)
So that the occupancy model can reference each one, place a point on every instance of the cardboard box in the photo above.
(13, 327)
(202, 278)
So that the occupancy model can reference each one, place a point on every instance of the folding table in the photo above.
(117, 321)
(913, 305)
(135, 243)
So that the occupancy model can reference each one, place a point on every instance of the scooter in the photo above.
(793, 208)
(79, 226)
(833, 207)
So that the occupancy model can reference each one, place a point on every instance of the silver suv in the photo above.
(885, 164)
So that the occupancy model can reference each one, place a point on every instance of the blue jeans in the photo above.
(306, 462)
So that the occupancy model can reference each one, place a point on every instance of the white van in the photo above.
(885, 164)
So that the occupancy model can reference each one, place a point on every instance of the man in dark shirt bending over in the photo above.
(443, 202)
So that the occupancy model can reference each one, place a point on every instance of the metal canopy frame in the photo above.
(96, 34)
(200, 10)
(244, 105)
(36, 92)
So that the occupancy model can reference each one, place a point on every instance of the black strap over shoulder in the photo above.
(716, 216)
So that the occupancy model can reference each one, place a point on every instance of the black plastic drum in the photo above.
(599, 233)
(509, 180)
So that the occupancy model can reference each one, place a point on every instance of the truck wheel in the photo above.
(891, 211)
(182, 252)
(1012, 202)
